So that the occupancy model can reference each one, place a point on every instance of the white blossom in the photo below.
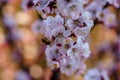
(41, 4)
(96, 74)
(71, 8)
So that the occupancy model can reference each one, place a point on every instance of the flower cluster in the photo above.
(59, 30)
(96, 74)
(102, 13)
(64, 33)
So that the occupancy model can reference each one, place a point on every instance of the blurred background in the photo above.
(22, 51)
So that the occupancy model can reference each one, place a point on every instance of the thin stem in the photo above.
(56, 75)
